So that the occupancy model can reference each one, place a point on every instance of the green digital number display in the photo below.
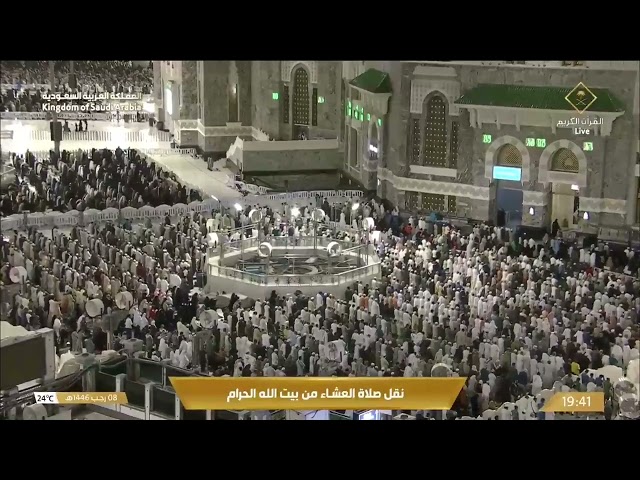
(587, 146)
(531, 142)
(486, 138)
(541, 142)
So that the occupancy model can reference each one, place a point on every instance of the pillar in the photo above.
(215, 88)
(178, 411)
(148, 400)
(89, 379)
(121, 380)
(214, 93)
(187, 135)
(157, 90)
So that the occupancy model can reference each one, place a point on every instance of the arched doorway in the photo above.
(300, 104)
(565, 198)
(509, 194)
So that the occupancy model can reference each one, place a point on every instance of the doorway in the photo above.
(565, 204)
(509, 198)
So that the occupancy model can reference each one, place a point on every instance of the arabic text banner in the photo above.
(81, 398)
(364, 393)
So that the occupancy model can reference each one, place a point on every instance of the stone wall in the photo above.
(395, 148)
(214, 92)
(609, 164)
(293, 160)
(328, 87)
(214, 145)
(188, 138)
(265, 79)
(189, 107)
(243, 69)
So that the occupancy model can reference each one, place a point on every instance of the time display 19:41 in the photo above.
(577, 402)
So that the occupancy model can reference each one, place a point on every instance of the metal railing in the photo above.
(366, 255)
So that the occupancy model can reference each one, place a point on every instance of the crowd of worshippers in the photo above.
(514, 323)
(99, 179)
(20, 101)
(155, 263)
(92, 76)
(513, 316)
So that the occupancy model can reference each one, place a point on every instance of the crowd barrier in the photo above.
(368, 259)
(74, 217)
(27, 116)
(149, 152)
(315, 194)
(129, 136)
(30, 86)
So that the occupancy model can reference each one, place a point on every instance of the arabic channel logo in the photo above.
(581, 98)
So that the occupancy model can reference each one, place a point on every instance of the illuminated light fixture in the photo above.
(320, 99)
(585, 215)
(355, 206)
(507, 173)
(575, 188)
(215, 198)
(373, 148)
(532, 211)
(379, 122)
(368, 117)
(235, 89)
(295, 211)
(238, 207)
(275, 96)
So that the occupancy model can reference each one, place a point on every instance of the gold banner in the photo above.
(575, 402)
(330, 393)
(92, 398)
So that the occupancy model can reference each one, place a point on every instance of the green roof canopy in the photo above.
(545, 98)
(373, 81)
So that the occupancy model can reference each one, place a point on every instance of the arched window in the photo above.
(300, 97)
(564, 160)
(509, 156)
(373, 142)
(434, 136)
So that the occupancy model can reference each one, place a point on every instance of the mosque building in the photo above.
(498, 141)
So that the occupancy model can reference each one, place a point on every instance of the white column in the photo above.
(148, 400)
(120, 381)
(178, 409)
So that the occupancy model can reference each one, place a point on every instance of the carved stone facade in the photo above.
(221, 95)
(605, 160)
